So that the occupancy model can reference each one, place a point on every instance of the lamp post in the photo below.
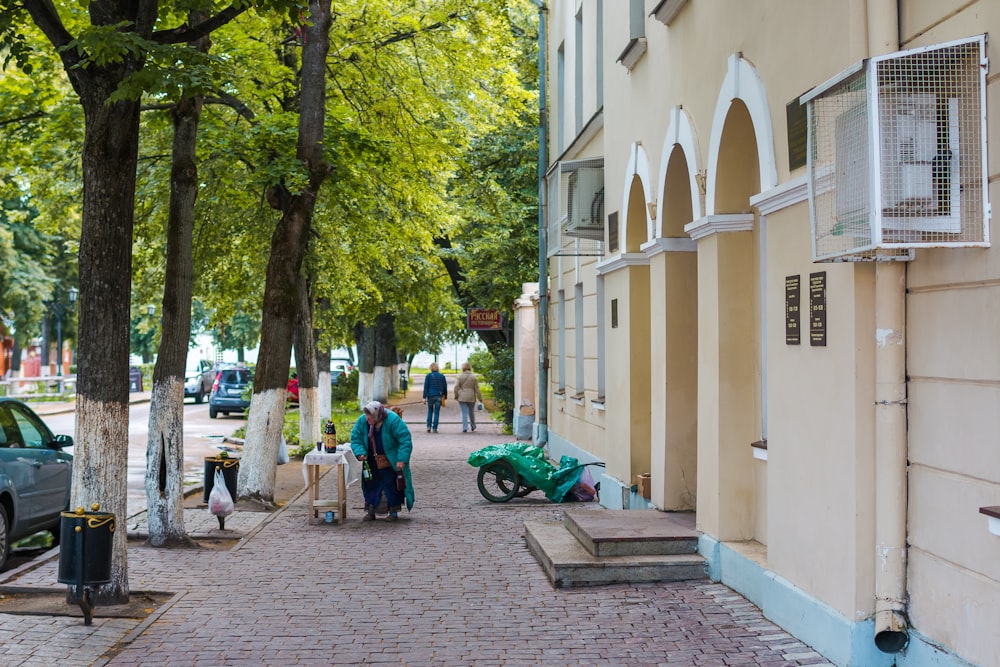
(58, 307)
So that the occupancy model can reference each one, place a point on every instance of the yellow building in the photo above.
(771, 287)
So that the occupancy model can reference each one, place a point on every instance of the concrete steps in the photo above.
(593, 547)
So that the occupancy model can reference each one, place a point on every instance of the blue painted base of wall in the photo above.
(615, 494)
(838, 639)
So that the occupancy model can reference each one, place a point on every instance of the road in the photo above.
(202, 437)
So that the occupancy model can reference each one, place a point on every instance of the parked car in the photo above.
(227, 392)
(338, 369)
(198, 379)
(35, 475)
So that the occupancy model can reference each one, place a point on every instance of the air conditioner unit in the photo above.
(585, 204)
(920, 157)
(897, 154)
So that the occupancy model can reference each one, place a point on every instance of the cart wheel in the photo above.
(498, 481)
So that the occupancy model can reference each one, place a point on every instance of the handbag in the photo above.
(400, 481)
(382, 461)
(442, 401)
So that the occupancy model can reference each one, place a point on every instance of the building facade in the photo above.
(770, 286)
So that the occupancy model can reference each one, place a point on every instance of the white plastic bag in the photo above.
(220, 503)
(283, 452)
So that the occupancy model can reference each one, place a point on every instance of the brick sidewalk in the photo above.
(452, 583)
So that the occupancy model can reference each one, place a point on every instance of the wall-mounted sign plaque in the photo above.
(792, 314)
(817, 309)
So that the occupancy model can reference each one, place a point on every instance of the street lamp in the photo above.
(58, 307)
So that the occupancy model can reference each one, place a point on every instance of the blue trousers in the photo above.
(433, 412)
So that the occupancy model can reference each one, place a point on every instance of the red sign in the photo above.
(483, 319)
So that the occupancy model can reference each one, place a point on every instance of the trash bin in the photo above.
(403, 380)
(134, 379)
(230, 472)
(85, 553)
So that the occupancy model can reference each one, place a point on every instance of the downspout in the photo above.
(541, 417)
(891, 626)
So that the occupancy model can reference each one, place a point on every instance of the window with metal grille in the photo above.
(897, 154)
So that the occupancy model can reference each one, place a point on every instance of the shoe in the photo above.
(473, 427)
(369, 516)
(428, 430)
(434, 431)
(392, 517)
(465, 430)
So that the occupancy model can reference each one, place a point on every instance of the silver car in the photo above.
(35, 475)
(198, 379)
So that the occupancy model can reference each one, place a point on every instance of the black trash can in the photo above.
(230, 472)
(134, 379)
(85, 547)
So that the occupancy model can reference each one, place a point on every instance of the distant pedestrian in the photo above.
(467, 394)
(435, 391)
(382, 439)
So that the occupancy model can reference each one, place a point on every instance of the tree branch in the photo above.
(185, 33)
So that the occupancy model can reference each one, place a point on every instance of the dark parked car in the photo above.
(227, 392)
(35, 475)
(198, 379)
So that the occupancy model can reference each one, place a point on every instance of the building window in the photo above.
(580, 355)
(561, 98)
(600, 337)
(578, 78)
(562, 340)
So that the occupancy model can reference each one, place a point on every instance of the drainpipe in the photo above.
(891, 626)
(541, 416)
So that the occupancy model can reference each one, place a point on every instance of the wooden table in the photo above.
(344, 459)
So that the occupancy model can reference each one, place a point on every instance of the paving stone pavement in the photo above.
(450, 583)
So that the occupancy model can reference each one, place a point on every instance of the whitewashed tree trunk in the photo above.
(311, 420)
(325, 397)
(366, 387)
(259, 463)
(382, 383)
(165, 465)
(99, 476)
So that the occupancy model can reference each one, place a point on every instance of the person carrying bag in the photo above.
(467, 393)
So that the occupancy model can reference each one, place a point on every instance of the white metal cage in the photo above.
(897, 154)
(576, 208)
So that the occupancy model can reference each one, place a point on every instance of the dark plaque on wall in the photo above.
(795, 118)
(792, 314)
(817, 309)
(613, 232)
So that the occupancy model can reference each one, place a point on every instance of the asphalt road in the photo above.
(202, 437)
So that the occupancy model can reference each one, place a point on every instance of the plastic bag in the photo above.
(479, 406)
(283, 452)
(583, 491)
(220, 503)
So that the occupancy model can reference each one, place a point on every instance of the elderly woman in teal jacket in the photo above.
(382, 439)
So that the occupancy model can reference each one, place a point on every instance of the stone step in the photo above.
(633, 532)
(567, 563)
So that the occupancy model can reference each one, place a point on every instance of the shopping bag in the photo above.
(283, 452)
(220, 503)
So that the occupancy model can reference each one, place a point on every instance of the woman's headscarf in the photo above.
(376, 410)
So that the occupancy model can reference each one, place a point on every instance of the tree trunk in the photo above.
(385, 357)
(100, 464)
(364, 340)
(323, 383)
(310, 429)
(165, 447)
(288, 246)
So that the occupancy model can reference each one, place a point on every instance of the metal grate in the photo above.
(897, 155)
(576, 208)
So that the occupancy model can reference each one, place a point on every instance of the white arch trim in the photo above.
(638, 165)
(680, 133)
(742, 83)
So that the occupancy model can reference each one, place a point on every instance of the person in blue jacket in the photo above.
(435, 391)
(382, 439)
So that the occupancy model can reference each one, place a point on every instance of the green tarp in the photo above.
(535, 470)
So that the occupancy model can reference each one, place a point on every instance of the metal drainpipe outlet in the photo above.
(891, 631)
